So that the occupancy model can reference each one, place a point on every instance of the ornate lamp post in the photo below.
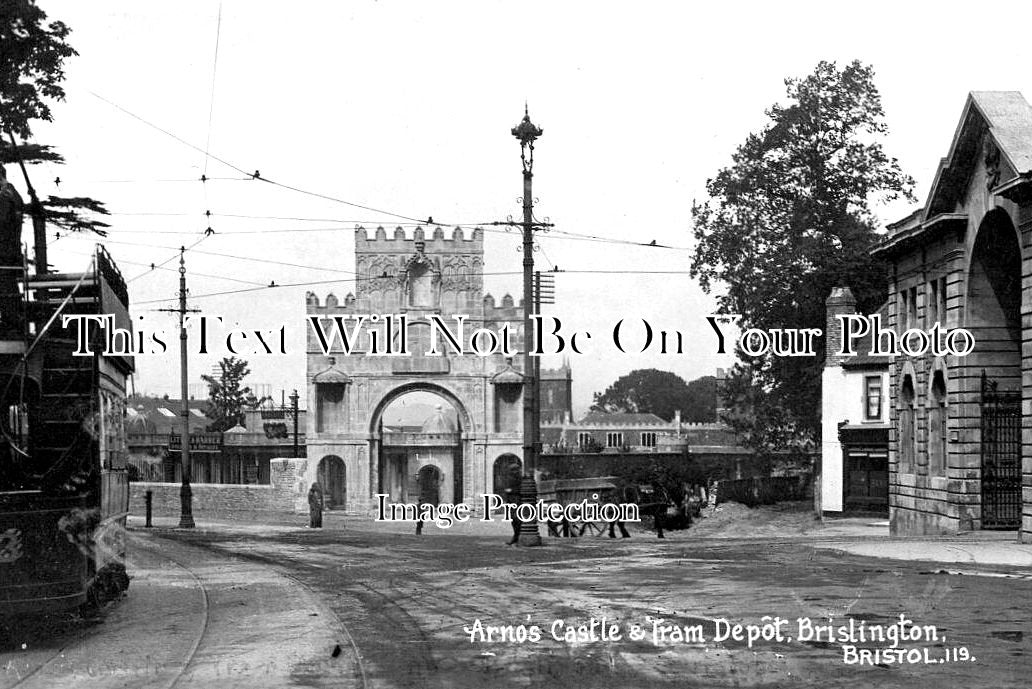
(527, 133)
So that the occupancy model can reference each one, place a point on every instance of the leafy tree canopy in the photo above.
(660, 393)
(31, 74)
(227, 396)
(786, 222)
(31, 65)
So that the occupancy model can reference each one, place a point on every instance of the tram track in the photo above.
(314, 673)
(196, 644)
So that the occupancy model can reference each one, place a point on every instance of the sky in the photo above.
(406, 108)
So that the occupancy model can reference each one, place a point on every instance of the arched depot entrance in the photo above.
(331, 475)
(994, 318)
(419, 436)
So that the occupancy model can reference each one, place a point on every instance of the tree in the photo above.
(31, 65)
(786, 222)
(31, 75)
(660, 393)
(226, 397)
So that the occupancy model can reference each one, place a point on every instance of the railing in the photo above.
(431, 439)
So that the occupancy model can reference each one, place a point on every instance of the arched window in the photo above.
(907, 436)
(937, 426)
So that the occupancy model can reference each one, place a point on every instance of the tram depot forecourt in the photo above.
(388, 335)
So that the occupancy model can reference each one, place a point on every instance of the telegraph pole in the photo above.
(186, 520)
(527, 133)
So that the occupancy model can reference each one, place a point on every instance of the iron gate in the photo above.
(1001, 457)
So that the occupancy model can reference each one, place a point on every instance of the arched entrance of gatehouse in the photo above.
(508, 469)
(331, 475)
(419, 442)
(993, 313)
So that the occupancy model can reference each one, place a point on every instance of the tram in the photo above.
(64, 481)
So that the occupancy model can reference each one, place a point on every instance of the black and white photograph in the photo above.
(386, 344)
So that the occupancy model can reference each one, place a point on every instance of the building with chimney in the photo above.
(854, 471)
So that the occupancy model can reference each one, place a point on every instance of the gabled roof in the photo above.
(1007, 117)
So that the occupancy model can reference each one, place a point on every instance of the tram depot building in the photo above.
(960, 428)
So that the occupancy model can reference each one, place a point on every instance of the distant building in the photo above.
(241, 455)
(556, 393)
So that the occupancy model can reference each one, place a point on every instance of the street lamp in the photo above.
(527, 133)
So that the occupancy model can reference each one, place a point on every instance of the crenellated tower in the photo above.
(417, 275)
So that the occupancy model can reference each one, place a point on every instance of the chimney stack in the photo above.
(840, 302)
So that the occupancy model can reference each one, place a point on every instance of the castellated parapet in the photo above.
(419, 273)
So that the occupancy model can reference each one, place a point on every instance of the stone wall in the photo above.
(286, 495)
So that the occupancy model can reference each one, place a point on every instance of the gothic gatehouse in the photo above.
(442, 428)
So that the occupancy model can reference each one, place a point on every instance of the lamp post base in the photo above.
(186, 520)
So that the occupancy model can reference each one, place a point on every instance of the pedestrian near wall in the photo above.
(315, 506)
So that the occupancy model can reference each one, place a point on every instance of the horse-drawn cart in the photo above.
(598, 491)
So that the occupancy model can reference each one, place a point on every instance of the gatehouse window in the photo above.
(614, 439)
(873, 398)
(648, 439)
(584, 439)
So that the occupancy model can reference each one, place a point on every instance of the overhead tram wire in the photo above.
(363, 279)
(211, 101)
(224, 255)
(172, 270)
(565, 235)
(163, 263)
(255, 175)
